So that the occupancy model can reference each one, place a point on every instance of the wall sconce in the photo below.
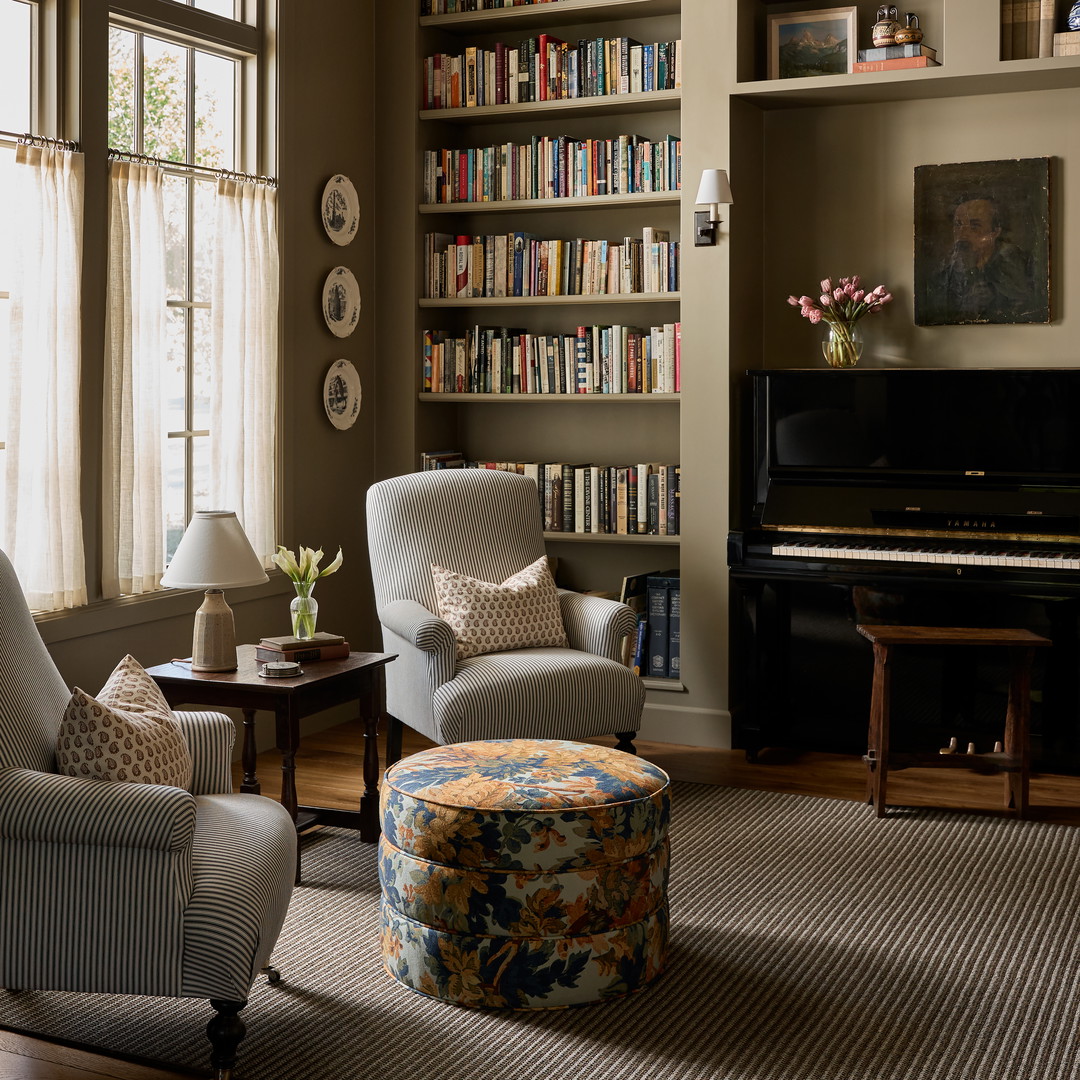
(713, 190)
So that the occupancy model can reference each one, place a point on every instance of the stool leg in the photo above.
(1017, 730)
(877, 750)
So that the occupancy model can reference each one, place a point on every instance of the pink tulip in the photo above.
(814, 316)
(826, 285)
(826, 300)
(838, 294)
(805, 312)
(857, 295)
(855, 281)
(792, 301)
(806, 301)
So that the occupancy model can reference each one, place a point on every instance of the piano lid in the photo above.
(919, 451)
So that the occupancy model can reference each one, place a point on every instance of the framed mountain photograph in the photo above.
(808, 43)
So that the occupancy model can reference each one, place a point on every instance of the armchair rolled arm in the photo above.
(210, 737)
(60, 809)
(596, 625)
(413, 622)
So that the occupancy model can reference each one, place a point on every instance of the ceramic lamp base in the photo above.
(213, 647)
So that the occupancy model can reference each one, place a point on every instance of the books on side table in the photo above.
(302, 650)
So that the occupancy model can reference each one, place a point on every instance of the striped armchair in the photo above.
(486, 523)
(121, 888)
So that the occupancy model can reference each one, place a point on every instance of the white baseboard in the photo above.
(686, 726)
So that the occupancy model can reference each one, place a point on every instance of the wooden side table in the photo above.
(360, 676)
(1014, 761)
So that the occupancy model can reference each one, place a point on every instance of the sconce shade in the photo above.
(214, 553)
(714, 188)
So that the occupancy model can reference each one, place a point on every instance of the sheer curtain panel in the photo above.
(243, 418)
(43, 531)
(136, 350)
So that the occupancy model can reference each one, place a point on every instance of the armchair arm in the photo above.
(210, 737)
(426, 659)
(596, 625)
(58, 809)
(413, 623)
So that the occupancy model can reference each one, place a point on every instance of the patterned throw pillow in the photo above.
(521, 613)
(126, 733)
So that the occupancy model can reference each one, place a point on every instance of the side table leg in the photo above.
(372, 706)
(248, 755)
(288, 738)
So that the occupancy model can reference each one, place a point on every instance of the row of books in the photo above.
(655, 649)
(302, 650)
(522, 264)
(553, 167)
(452, 7)
(619, 500)
(596, 359)
(547, 68)
(1027, 28)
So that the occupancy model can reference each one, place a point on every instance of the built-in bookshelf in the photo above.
(548, 254)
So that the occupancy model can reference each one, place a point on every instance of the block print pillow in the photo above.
(127, 733)
(521, 613)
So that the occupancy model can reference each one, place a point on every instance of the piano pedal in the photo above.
(950, 749)
(998, 748)
(971, 748)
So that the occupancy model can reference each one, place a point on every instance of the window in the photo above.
(180, 104)
(17, 22)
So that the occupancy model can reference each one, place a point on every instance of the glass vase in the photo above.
(304, 609)
(842, 345)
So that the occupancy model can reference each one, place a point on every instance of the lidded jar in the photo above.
(910, 33)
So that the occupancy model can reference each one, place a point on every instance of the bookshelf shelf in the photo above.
(611, 104)
(663, 684)
(549, 301)
(551, 14)
(590, 202)
(612, 538)
(1009, 77)
(548, 399)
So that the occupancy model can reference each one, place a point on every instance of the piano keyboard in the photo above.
(1035, 559)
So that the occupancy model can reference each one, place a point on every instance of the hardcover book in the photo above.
(305, 655)
(292, 642)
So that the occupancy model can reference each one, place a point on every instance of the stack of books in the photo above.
(1067, 43)
(302, 650)
(895, 58)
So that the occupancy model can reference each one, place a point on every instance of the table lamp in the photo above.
(214, 554)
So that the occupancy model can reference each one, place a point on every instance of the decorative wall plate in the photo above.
(341, 301)
(341, 394)
(340, 210)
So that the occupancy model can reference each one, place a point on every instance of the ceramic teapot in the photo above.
(909, 34)
(883, 32)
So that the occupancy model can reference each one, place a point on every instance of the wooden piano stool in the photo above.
(1014, 761)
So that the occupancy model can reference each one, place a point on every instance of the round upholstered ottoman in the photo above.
(524, 873)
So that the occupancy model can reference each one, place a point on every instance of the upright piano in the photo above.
(909, 496)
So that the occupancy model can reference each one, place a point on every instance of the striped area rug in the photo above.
(811, 941)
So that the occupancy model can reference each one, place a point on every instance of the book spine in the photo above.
(900, 64)
(674, 659)
(641, 636)
(318, 652)
(657, 608)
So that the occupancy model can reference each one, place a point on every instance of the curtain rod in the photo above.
(181, 166)
(40, 140)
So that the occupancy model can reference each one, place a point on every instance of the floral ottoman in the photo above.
(524, 873)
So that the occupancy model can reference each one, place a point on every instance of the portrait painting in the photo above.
(982, 242)
(808, 43)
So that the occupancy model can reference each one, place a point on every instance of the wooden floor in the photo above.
(329, 768)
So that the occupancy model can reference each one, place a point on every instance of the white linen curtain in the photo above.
(43, 532)
(136, 347)
(244, 359)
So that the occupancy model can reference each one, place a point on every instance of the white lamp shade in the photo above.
(714, 188)
(214, 553)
